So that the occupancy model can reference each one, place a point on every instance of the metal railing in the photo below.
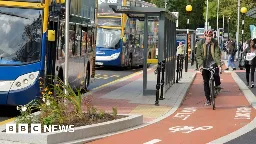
(160, 72)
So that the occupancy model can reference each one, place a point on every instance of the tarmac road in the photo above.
(106, 75)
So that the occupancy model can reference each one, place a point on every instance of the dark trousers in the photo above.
(206, 76)
(249, 68)
(196, 64)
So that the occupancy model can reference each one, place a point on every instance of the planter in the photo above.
(80, 133)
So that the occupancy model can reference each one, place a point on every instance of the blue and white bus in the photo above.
(26, 53)
(119, 38)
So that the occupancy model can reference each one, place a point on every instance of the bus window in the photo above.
(61, 47)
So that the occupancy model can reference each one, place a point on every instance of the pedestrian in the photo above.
(195, 54)
(181, 49)
(250, 61)
(231, 52)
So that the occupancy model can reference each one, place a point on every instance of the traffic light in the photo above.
(221, 32)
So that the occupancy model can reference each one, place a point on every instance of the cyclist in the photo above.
(209, 54)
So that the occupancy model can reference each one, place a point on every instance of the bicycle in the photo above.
(213, 90)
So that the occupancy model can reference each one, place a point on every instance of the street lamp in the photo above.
(228, 27)
(188, 9)
(243, 11)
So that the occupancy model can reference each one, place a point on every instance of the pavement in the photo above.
(126, 96)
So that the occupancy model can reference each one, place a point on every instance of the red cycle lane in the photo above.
(193, 122)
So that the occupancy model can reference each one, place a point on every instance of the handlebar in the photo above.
(209, 69)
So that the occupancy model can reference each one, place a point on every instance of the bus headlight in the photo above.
(24, 81)
(31, 76)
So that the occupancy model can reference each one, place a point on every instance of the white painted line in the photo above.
(252, 125)
(153, 141)
(185, 113)
(188, 129)
(243, 113)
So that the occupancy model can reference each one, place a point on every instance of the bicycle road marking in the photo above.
(153, 141)
(243, 113)
(188, 129)
(185, 113)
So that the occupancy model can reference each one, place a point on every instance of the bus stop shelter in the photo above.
(251, 13)
(166, 39)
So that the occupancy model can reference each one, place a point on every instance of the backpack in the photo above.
(231, 48)
(234, 51)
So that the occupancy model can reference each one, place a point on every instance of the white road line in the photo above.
(153, 141)
(250, 126)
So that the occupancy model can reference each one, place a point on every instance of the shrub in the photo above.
(61, 108)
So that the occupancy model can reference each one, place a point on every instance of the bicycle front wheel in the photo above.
(212, 89)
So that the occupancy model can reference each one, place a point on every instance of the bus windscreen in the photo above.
(20, 35)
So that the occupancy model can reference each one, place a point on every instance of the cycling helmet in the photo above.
(208, 33)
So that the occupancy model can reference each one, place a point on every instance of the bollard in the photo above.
(162, 81)
(178, 68)
(158, 70)
(181, 66)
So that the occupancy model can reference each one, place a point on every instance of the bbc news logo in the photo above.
(37, 128)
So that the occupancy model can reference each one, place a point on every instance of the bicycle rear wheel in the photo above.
(212, 89)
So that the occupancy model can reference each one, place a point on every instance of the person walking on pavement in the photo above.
(181, 52)
(231, 52)
(208, 53)
(195, 53)
(250, 61)
(180, 49)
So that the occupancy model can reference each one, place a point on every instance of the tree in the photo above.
(196, 16)
(228, 8)
(158, 3)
